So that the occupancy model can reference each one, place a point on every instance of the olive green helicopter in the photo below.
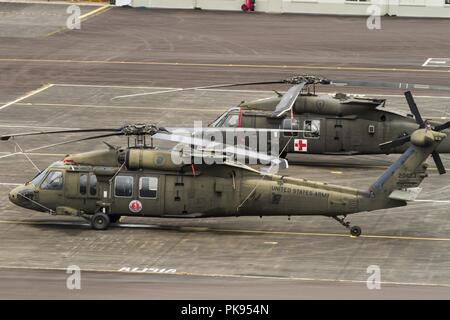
(339, 124)
(141, 180)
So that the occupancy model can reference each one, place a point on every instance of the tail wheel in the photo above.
(100, 221)
(355, 231)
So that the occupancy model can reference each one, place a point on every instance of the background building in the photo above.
(405, 8)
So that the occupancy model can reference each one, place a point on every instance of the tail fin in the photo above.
(409, 169)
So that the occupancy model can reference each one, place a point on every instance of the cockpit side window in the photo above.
(223, 118)
(53, 181)
(231, 121)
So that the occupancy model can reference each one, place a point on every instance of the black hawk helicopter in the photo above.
(143, 181)
(337, 124)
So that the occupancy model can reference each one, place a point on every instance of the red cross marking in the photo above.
(300, 145)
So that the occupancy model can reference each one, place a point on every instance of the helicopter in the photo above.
(140, 180)
(339, 124)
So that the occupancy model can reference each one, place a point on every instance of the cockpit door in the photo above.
(81, 191)
(51, 190)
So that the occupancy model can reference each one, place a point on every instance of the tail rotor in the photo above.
(423, 124)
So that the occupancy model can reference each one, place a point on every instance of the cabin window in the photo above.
(290, 124)
(83, 183)
(54, 181)
(123, 186)
(447, 1)
(93, 185)
(312, 129)
(148, 187)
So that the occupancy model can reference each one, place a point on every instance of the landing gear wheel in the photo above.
(100, 221)
(114, 218)
(355, 231)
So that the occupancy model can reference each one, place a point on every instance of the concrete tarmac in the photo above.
(52, 284)
(114, 54)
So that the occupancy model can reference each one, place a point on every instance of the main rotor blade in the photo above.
(75, 140)
(439, 165)
(287, 101)
(216, 146)
(442, 126)
(310, 79)
(414, 110)
(387, 85)
(7, 137)
(394, 143)
(189, 130)
(198, 88)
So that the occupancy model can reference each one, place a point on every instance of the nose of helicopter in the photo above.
(22, 196)
(14, 194)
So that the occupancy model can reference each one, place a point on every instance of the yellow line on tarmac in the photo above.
(330, 235)
(32, 93)
(200, 229)
(83, 17)
(95, 12)
(223, 65)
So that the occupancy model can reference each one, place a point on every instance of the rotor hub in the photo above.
(308, 79)
(140, 129)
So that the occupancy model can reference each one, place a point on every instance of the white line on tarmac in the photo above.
(37, 127)
(108, 86)
(426, 62)
(32, 93)
(9, 184)
(434, 201)
(437, 63)
(37, 154)
(10, 155)
(33, 127)
(28, 153)
(221, 65)
(93, 106)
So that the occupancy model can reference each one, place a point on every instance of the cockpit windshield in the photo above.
(228, 119)
(38, 178)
